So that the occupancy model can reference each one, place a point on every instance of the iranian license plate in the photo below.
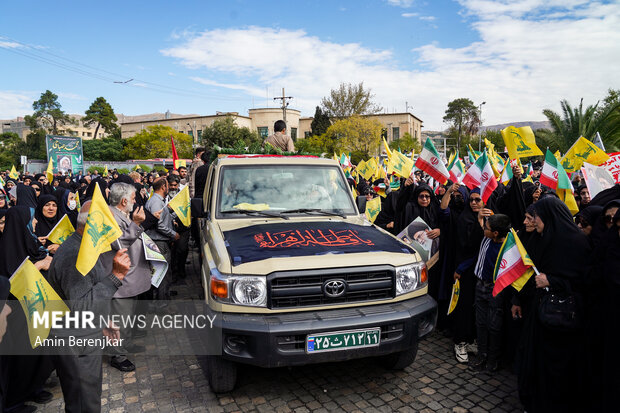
(343, 340)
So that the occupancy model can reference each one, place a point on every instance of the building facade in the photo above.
(19, 127)
(395, 125)
(261, 120)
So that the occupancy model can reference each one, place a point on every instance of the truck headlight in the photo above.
(239, 289)
(249, 291)
(410, 278)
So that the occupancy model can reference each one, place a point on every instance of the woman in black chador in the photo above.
(550, 362)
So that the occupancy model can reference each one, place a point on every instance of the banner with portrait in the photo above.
(65, 153)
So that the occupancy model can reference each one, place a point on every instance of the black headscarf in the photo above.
(592, 214)
(45, 224)
(408, 208)
(103, 185)
(6, 199)
(562, 250)
(18, 241)
(26, 196)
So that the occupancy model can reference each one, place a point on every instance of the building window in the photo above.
(199, 135)
(294, 134)
(263, 132)
(415, 133)
(191, 133)
(307, 133)
(89, 134)
(395, 133)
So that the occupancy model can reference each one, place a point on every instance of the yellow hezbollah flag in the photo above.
(354, 194)
(454, 299)
(387, 149)
(100, 232)
(558, 155)
(36, 296)
(400, 164)
(365, 169)
(105, 171)
(61, 231)
(520, 142)
(372, 164)
(181, 205)
(49, 173)
(78, 204)
(373, 207)
(13, 174)
(583, 151)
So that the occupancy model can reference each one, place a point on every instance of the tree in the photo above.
(463, 117)
(320, 123)
(576, 122)
(100, 113)
(320, 144)
(106, 149)
(348, 100)
(226, 134)
(9, 149)
(358, 134)
(406, 144)
(34, 146)
(154, 142)
(48, 114)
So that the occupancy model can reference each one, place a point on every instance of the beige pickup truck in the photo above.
(295, 274)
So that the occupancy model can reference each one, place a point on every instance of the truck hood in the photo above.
(265, 246)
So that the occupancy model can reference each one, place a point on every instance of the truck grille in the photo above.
(305, 289)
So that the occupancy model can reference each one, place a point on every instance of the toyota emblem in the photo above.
(334, 288)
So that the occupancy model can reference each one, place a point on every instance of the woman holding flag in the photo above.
(549, 367)
(47, 216)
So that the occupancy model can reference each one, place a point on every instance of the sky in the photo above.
(199, 57)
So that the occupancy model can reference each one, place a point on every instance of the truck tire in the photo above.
(222, 374)
(400, 360)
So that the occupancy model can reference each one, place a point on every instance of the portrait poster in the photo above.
(416, 236)
(65, 153)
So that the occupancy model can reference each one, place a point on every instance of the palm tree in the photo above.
(576, 122)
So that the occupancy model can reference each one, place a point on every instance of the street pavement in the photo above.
(435, 382)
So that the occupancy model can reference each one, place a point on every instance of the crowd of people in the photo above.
(577, 258)
(565, 368)
(30, 207)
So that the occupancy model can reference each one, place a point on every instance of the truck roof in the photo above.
(273, 160)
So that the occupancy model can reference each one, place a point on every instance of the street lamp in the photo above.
(480, 126)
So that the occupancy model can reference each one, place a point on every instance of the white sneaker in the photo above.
(472, 347)
(460, 350)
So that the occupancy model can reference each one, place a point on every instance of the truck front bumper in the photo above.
(280, 339)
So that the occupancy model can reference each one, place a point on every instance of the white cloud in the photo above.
(409, 15)
(401, 3)
(428, 18)
(531, 54)
(14, 104)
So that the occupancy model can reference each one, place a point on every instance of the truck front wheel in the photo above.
(400, 360)
(222, 374)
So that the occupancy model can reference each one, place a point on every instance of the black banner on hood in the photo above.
(298, 239)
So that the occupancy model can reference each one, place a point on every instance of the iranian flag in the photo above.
(553, 174)
(456, 168)
(175, 157)
(506, 173)
(430, 162)
(481, 175)
(513, 266)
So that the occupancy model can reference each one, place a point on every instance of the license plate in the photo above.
(343, 340)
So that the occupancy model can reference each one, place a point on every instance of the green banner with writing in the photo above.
(65, 153)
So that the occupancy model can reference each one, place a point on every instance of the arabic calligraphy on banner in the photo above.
(65, 153)
(305, 238)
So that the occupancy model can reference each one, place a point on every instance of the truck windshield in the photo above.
(282, 188)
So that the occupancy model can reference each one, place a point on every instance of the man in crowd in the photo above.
(191, 173)
(183, 175)
(180, 249)
(164, 234)
(138, 280)
(280, 139)
(80, 371)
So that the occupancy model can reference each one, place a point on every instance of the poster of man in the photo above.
(416, 235)
(64, 163)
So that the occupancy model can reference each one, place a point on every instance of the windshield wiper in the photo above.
(313, 210)
(255, 213)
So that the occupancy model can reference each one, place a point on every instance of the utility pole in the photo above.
(284, 99)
